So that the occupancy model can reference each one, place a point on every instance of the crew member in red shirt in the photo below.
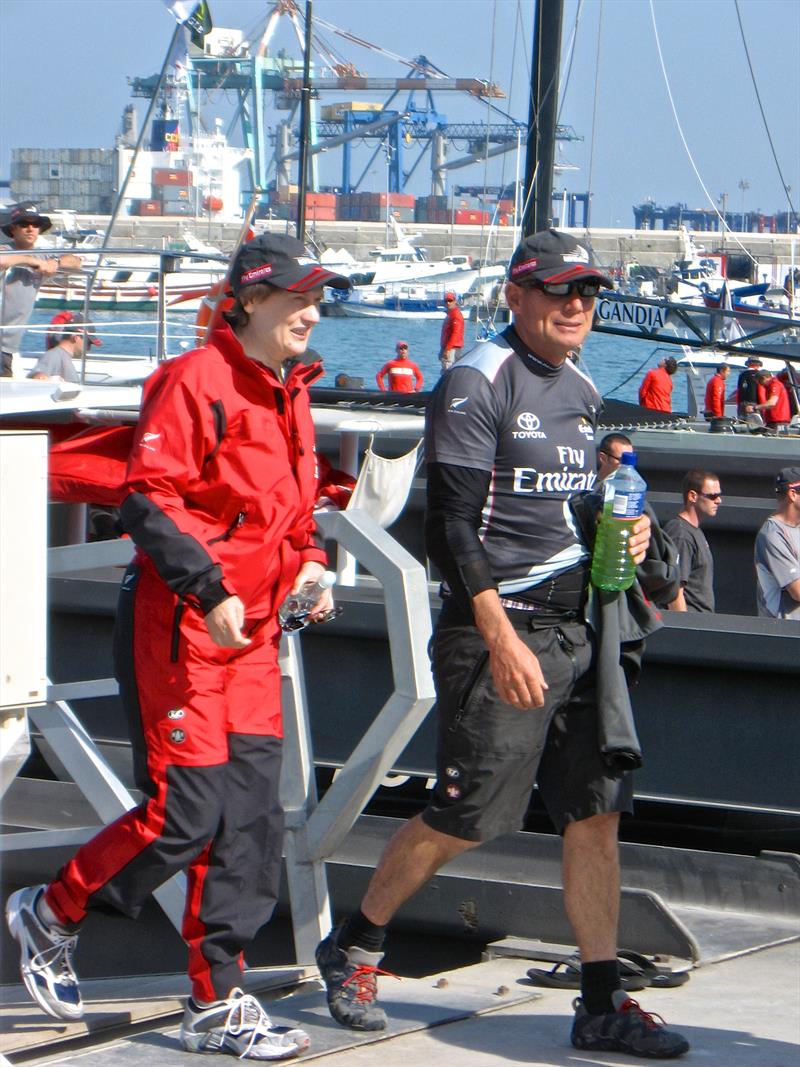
(452, 339)
(655, 391)
(715, 392)
(400, 371)
(776, 409)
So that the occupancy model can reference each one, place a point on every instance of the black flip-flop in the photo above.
(659, 976)
(566, 974)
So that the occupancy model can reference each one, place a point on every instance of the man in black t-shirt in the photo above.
(509, 438)
(702, 497)
(747, 387)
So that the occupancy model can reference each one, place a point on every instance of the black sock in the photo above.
(359, 931)
(598, 981)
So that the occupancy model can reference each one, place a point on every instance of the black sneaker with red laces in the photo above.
(351, 982)
(626, 1029)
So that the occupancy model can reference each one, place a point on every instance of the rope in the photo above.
(710, 199)
(763, 115)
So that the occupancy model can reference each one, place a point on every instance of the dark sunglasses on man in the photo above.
(584, 287)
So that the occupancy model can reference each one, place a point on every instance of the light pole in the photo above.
(744, 185)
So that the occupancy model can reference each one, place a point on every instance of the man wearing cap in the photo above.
(23, 273)
(221, 485)
(777, 552)
(655, 391)
(451, 343)
(748, 393)
(509, 438)
(400, 371)
(59, 360)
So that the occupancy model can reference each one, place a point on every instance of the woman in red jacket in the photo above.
(220, 489)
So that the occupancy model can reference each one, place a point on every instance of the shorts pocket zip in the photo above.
(469, 690)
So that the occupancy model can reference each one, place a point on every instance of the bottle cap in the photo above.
(629, 458)
(326, 579)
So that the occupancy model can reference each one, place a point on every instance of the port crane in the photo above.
(407, 122)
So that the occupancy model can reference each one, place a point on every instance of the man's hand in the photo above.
(70, 262)
(515, 669)
(517, 673)
(639, 540)
(46, 267)
(224, 624)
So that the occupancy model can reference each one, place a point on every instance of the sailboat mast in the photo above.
(541, 144)
(305, 127)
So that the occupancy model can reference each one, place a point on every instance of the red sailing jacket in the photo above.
(780, 412)
(221, 479)
(655, 391)
(452, 330)
(715, 396)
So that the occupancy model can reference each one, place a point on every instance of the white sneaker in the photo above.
(241, 1027)
(45, 956)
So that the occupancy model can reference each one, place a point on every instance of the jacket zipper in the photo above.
(176, 630)
(234, 526)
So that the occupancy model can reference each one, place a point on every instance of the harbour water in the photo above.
(360, 347)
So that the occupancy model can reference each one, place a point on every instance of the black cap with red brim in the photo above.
(283, 262)
(553, 256)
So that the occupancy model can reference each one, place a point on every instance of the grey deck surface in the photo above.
(744, 1012)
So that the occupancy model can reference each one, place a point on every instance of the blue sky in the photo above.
(64, 66)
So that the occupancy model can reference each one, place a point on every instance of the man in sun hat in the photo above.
(777, 552)
(451, 342)
(509, 439)
(22, 274)
(220, 490)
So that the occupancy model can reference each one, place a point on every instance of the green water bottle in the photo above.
(623, 502)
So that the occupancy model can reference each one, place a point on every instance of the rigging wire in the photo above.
(594, 112)
(726, 228)
(763, 115)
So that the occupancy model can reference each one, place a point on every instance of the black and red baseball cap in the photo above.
(283, 262)
(553, 256)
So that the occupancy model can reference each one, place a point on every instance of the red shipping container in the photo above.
(320, 213)
(320, 200)
(471, 218)
(171, 177)
(147, 207)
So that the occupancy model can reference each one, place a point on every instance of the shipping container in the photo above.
(171, 194)
(171, 177)
(470, 218)
(145, 207)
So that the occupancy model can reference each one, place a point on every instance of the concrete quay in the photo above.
(612, 246)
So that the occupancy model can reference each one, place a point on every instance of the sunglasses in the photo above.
(26, 223)
(585, 287)
(711, 496)
(402, 348)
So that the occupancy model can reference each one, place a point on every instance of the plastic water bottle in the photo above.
(293, 612)
(623, 502)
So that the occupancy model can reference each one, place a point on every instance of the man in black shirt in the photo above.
(747, 387)
(509, 438)
(702, 497)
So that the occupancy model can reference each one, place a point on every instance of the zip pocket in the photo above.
(469, 691)
(234, 526)
(175, 646)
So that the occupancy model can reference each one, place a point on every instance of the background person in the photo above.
(221, 484)
(655, 391)
(609, 455)
(748, 393)
(777, 552)
(702, 497)
(59, 360)
(775, 408)
(400, 371)
(24, 274)
(512, 657)
(451, 342)
(715, 392)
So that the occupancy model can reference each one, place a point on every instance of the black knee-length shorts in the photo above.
(490, 754)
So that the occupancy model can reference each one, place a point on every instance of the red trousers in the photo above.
(205, 726)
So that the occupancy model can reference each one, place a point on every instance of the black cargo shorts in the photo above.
(490, 754)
